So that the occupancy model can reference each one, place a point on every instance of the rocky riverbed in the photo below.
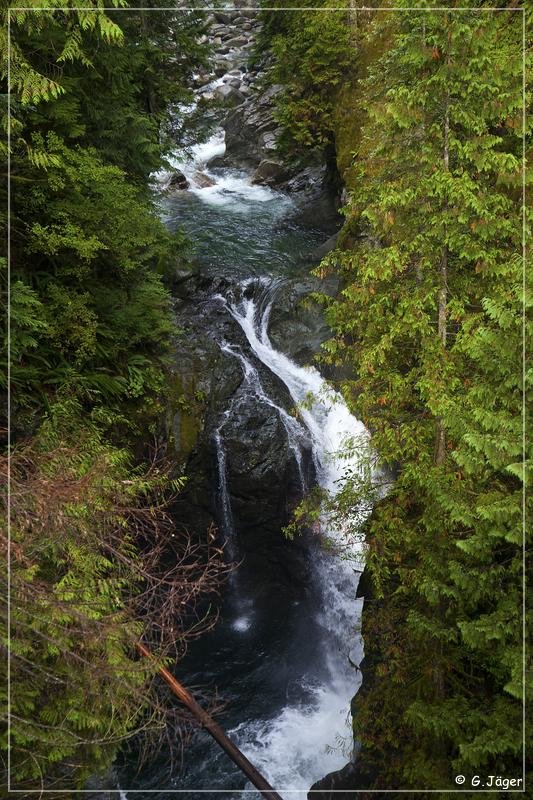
(207, 379)
(256, 427)
(238, 84)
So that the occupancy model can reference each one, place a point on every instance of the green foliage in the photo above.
(75, 688)
(106, 80)
(312, 53)
(93, 103)
(96, 566)
(430, 322)
(93, 297)
(90, 315)
(306, 515)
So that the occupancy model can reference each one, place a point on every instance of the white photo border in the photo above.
(37, 9)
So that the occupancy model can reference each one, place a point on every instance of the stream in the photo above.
(284, 662)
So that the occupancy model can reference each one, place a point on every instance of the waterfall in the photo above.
(305, 740)
(227, 524)
(296, 435)
(279, 654)
(331, 426)
(224, 187)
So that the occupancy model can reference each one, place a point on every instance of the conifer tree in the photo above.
(429, 320)
(91, 325)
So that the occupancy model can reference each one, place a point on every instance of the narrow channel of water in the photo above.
(286, 664)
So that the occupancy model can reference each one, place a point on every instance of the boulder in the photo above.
(206, 97)
(225, 17)
(269, 173)
(223, 66)
(229, 94)
(202, 79)
(220, 29)
(178, 181)
(202, 180)
(220, 162)
(238, 41)
(220, 68)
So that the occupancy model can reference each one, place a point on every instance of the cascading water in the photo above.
(283, 662)
(295, 747)
(226, 515)
(296, 436)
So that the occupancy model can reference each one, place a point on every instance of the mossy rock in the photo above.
(185, 414)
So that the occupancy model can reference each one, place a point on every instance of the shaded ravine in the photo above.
(285, 662)
(295, 746)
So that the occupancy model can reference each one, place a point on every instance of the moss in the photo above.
(348, 120)
(185, 413)
(350, 107)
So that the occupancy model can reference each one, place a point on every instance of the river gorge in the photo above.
(264, 453)
(268, 428)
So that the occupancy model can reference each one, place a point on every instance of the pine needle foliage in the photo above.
(430, 322)
(82, 597)
(96, 561)
(312, 53)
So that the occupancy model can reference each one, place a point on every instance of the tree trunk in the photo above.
(215, 730)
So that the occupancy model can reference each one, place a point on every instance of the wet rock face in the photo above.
(263, 481)
(338, 785)
(262, 475)
(269, 173)
(251, 130)
(297, 326)
(262, 478)
(317, 202)
(203, 180)
(177, 181)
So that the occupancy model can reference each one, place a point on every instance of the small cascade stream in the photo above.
(298, 744)
(226, 523)
(296, 433)
(285, 664)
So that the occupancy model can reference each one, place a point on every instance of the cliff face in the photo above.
(262, 479)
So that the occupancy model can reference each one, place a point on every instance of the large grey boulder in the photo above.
(229, 94)
(246, 127)
(269, 173)
(178, 181)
